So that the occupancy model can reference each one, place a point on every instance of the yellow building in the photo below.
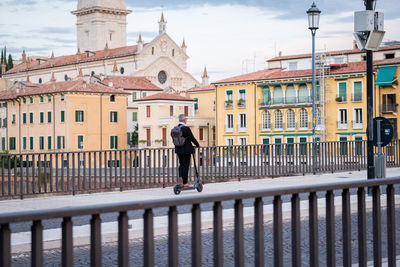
(275, 106)
(64, 116)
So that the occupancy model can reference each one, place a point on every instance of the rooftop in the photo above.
(165, 96)
(210, 87)
(131, 83)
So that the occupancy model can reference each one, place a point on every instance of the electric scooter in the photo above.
(198, 185)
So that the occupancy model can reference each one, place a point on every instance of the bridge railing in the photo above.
(92, 171)
(333, 239)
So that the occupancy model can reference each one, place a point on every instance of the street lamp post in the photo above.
(313, 24)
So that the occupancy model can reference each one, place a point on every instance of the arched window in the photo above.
(122, 70)
(266, 101)
(40, 80)
(290, 119)
(278, 95)
(173, 52)
(303, 118)
(152, 50)
(290, 95)
(66, 77)
(303, 94)
(278, 119)
(266, 120)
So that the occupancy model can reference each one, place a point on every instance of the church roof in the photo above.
(165, 96)
(78, 86)
(131, 83)
(75, 58)
(202, 88)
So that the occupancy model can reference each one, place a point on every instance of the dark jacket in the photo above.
(187, 148)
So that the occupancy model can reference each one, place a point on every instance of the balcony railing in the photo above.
(357, 124)
(356, 97)
(388, 108)
(342, 124)
(241, 103)
(287, 101)
(228, 104)
(229, 129)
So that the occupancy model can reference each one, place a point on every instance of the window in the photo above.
(134, 116)
(303, 118)
(229, 122)
(41, 99)
(49, 116)
(389, 55)
(113, 116)
(304, 94)
(66, 77)
(358, 145)
(62, 98)
(242, 141)
(62, 116)
(229, 141)
(343, 146)
(79, 116)
(357, 91)
(318, 118)
(290, 95)
(13, 119)
(186, 108)
(266, 120)
(41, 117)
(122, 70)
(278, 95)
(196, 105)
(31, 117)
(292, 65)
(152, 50)
(278, 119)
(3, 143)
(31, 143)
(133, 95)
(343, 116)
(113, 142)
(144, 94)
(112, 98)
(48, 142)
(338, 60)
(358, 115)
(24, 143)
(60, 142)
(162, 77)
(49, 98)
(31, 100)
(342, 96)
(148, 112)
(201, 136)
(148, 137)
(278, 146)
(173, 52)
(242, 122)
(303, 146)
(41, 142)
(12, 143)
(80, 141)
(229, 98)
(171, 111)
(24, 118)
(389, 103)
(24, 99)
(242, 98)
(290, 146)
(265, 142)
(290, 119)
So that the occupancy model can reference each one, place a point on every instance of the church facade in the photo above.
(102, 50)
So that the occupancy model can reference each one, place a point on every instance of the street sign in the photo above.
(386, 131)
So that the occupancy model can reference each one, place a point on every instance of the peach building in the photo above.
(64, 116)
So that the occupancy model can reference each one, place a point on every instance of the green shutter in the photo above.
(116, 142)
(111, 142)
(115, 116)
(49, 117)
(41, 117)
(12, 143)
(58, 142)
(41, 142)
(242, 91)
(196, 105)
(31, 117)
(24, 118)
(80, 141)
(76, 115)
(343, 91)
(41, 99)
(229, 92)
(133, 95)
(31, 143)
(48, 142)
(24, 143)
(134, 116)
(62, 116)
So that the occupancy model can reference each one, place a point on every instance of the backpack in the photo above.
(176, 134)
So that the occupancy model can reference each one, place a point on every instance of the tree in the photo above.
(2, 59)
(10, 63)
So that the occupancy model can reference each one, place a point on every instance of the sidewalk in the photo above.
(21, 241)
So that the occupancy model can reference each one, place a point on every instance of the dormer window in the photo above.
(122, 70)
(112, 98)
(66, 77)
(389, 55)
(293, 65)
(40, 80)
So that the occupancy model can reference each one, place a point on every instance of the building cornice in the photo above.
(99, 9)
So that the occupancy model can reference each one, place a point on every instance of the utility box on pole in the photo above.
(368, 29)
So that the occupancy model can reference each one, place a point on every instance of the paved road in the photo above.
(82, 255)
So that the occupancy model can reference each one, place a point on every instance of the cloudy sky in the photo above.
(229, 37)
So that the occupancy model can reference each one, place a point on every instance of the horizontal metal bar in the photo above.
(189, 200)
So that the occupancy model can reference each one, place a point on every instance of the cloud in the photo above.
(60, 30)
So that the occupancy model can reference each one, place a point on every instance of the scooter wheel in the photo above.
(199, 187)
(177, 190)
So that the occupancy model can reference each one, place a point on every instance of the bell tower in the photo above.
(101, 22)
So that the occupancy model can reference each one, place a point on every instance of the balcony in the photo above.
(341, 98)
(241, 103)
(228, 129)
(228, 104)
(304, 125)
(265, 127)
(342, 125)
(287, 101)
(356, 97)
(388, 108)
(242, 128)
(357, 124)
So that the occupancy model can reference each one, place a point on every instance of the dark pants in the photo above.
(184, 163)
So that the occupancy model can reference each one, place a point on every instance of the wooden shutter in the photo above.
(186, 110)
(148, 111)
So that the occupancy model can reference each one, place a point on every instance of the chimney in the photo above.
(52, 58)
(140, 44)
(78, 54)
(28, 63)
(80, 73)
(115, 68)
(23, 56)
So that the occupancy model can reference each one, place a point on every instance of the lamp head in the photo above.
(313, 17)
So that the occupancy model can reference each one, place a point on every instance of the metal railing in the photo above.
(93, 171)
(286, 101)
(388, 108)
(356, 97)
(380, 227)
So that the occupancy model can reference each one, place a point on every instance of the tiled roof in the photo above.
(131, 83)
(390, 61)
(254, 76)
(202, 88)
(332, 53)
(165, 96)
(59, 87)
(75, 58)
